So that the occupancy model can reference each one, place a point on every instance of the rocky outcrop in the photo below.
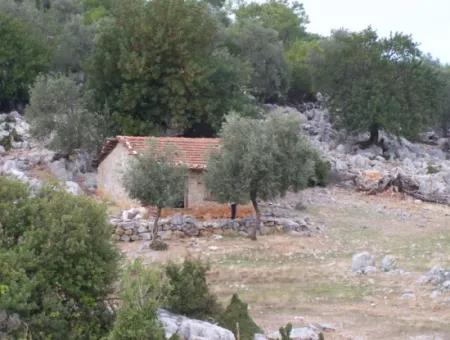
(28, 161)
(131, 225)
(191, 329)
(421, 170)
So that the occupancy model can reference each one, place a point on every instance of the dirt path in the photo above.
(308, 279)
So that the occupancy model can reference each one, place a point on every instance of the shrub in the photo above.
(142, 292)
(285, 332)
(189, 293)
(58, 116)
(59, 266)
(236, 319)
(321, 176)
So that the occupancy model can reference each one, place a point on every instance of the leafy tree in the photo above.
(261, 48)
(259, 159)
(21, 59)
(287, 18)
(189, 293)
(142, 292)
(375, 83)
(237, 319)
(60, 270)
(154, 179)
(157, 63)
(58, 116)
(444, 101)
(299, 57)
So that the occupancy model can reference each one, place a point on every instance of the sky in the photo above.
(427, 20)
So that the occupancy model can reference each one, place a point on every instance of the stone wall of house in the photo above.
(110, 173)
(131, 226)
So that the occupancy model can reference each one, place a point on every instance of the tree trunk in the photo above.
(155, 224)
(257, 225)
(374, 134)
(233, 211)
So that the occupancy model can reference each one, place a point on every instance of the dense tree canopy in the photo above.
(286, 17)
(156, 63)
(261, 48)
(21, 59)
(58, 262)
(375, 83)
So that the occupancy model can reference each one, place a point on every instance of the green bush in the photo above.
(58, 262)
(285, 332)
(236, 319)
(189, 293)
(142, 292)
(321, 175)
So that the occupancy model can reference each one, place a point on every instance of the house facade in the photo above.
(118, 152)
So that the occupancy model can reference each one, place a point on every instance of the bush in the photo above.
(189, 293)
(321, 175)
(142, 292)
(59, 265)
(236, 319)
(58, 116)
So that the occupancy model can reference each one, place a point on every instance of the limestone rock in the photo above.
(363, 262)
(191, 329)
(388, 263)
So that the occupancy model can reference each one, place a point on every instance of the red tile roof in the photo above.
(192, 152)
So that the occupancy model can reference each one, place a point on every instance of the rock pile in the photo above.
(21, 156)
(132, 226)
(438, 277)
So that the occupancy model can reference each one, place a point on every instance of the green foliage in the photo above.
(154, 179)
(142, 292)
(189, 293)
(237, 319)
(375, 83)
(262, 49)
(58, 273)
(14, 211)
(21, 59)
(261, 158)
(432, 169)
(322, 170)
(58, 116)
(287, 18)
(285, 332)
(299, 57)
(158, 63)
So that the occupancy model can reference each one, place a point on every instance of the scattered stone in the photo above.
(437, 276)
(301, 333)
(388, 263)
(363, 263)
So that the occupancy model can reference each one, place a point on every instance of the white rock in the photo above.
(361, 262)
(73, 188)
(190, 329)
(388, 263)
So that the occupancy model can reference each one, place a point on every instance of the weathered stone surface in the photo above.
(190, 329)
(437, 276)
(388, 263)
(301, 333)
(363, 262)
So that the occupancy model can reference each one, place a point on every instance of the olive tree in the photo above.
(154, 179)
(259, 159)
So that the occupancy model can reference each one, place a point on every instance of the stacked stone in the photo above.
(132, 226)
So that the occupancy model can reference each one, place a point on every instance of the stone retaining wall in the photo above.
(131, 226)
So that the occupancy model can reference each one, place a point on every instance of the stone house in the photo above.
(117, 152)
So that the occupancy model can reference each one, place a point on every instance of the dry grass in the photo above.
(301, 280)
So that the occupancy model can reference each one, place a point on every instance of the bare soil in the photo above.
(305, 280)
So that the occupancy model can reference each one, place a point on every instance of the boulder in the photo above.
(73, 188)
(363, 262)
(388, 263)
(191, 329)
